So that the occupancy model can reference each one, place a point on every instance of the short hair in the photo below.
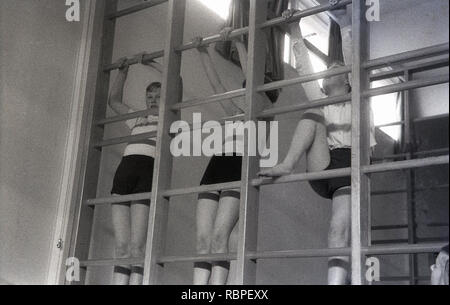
(153, 86)
(271, 94)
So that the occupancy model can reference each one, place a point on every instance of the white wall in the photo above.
(37, 53)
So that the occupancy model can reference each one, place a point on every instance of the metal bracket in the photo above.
(59, 244)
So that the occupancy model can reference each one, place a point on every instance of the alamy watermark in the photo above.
(373, 11)
(225, 139)
(73, 12)
(72, 269)
(373, 269)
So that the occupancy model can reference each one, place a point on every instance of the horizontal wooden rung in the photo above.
(210, 99)
(403, 249)
(407, 56)
(409, 85)
(405, 226)
(302, 253)
(203, 188)
(389, 227)
(414, 68)
(417, 153)
(335, 173)
(197, 258)
(342, 172)
(306, 253)
(408, 164)
(300, 107)
(135, 60)
(111, 262)
(118, 199)
(124, 117)
(120, 140)
(134, 9)
(304, 78)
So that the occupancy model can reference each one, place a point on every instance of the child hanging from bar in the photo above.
(134, 175)
(324, 135)
(218, 212)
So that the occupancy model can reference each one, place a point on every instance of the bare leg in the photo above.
(310, 138)
(139, 224)
(318, 154)
(121, 226)
(338, 236)
(206, 213)
(227, 216)
(232, 248)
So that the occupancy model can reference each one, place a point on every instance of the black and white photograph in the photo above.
(224, 149)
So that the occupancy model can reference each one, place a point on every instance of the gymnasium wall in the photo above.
(291, 216)
(409, 25)
(38, 50)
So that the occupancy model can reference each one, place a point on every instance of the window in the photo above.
(220, 7)
(387, 109)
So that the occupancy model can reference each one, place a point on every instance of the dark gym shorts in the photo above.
(222, 169)
(339, 158)
(134, 175)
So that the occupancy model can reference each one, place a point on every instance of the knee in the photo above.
(338, 234)
(219, 242)
(122, 250)
(137, 250)
(203, 244)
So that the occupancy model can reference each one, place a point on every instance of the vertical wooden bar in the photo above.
(410, 185)
(248, 214)
(360, 143)
(170, 95)
(90, 165)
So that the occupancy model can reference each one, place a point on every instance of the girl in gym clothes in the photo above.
(324, 136)
(218, 212)
(134, 175)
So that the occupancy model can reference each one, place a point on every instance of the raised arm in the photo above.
(243, 58)
(302, 61)
(343, 17)
(115, 100)
(228, 105)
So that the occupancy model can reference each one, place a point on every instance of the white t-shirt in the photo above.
(234, 144)
(338, 117)
(140, 125)
(338, 121)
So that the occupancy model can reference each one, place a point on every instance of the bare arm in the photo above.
(115, 100)
(242, 51)
(243, 58)
(344, 19)
(228, 105)
(302, 61)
